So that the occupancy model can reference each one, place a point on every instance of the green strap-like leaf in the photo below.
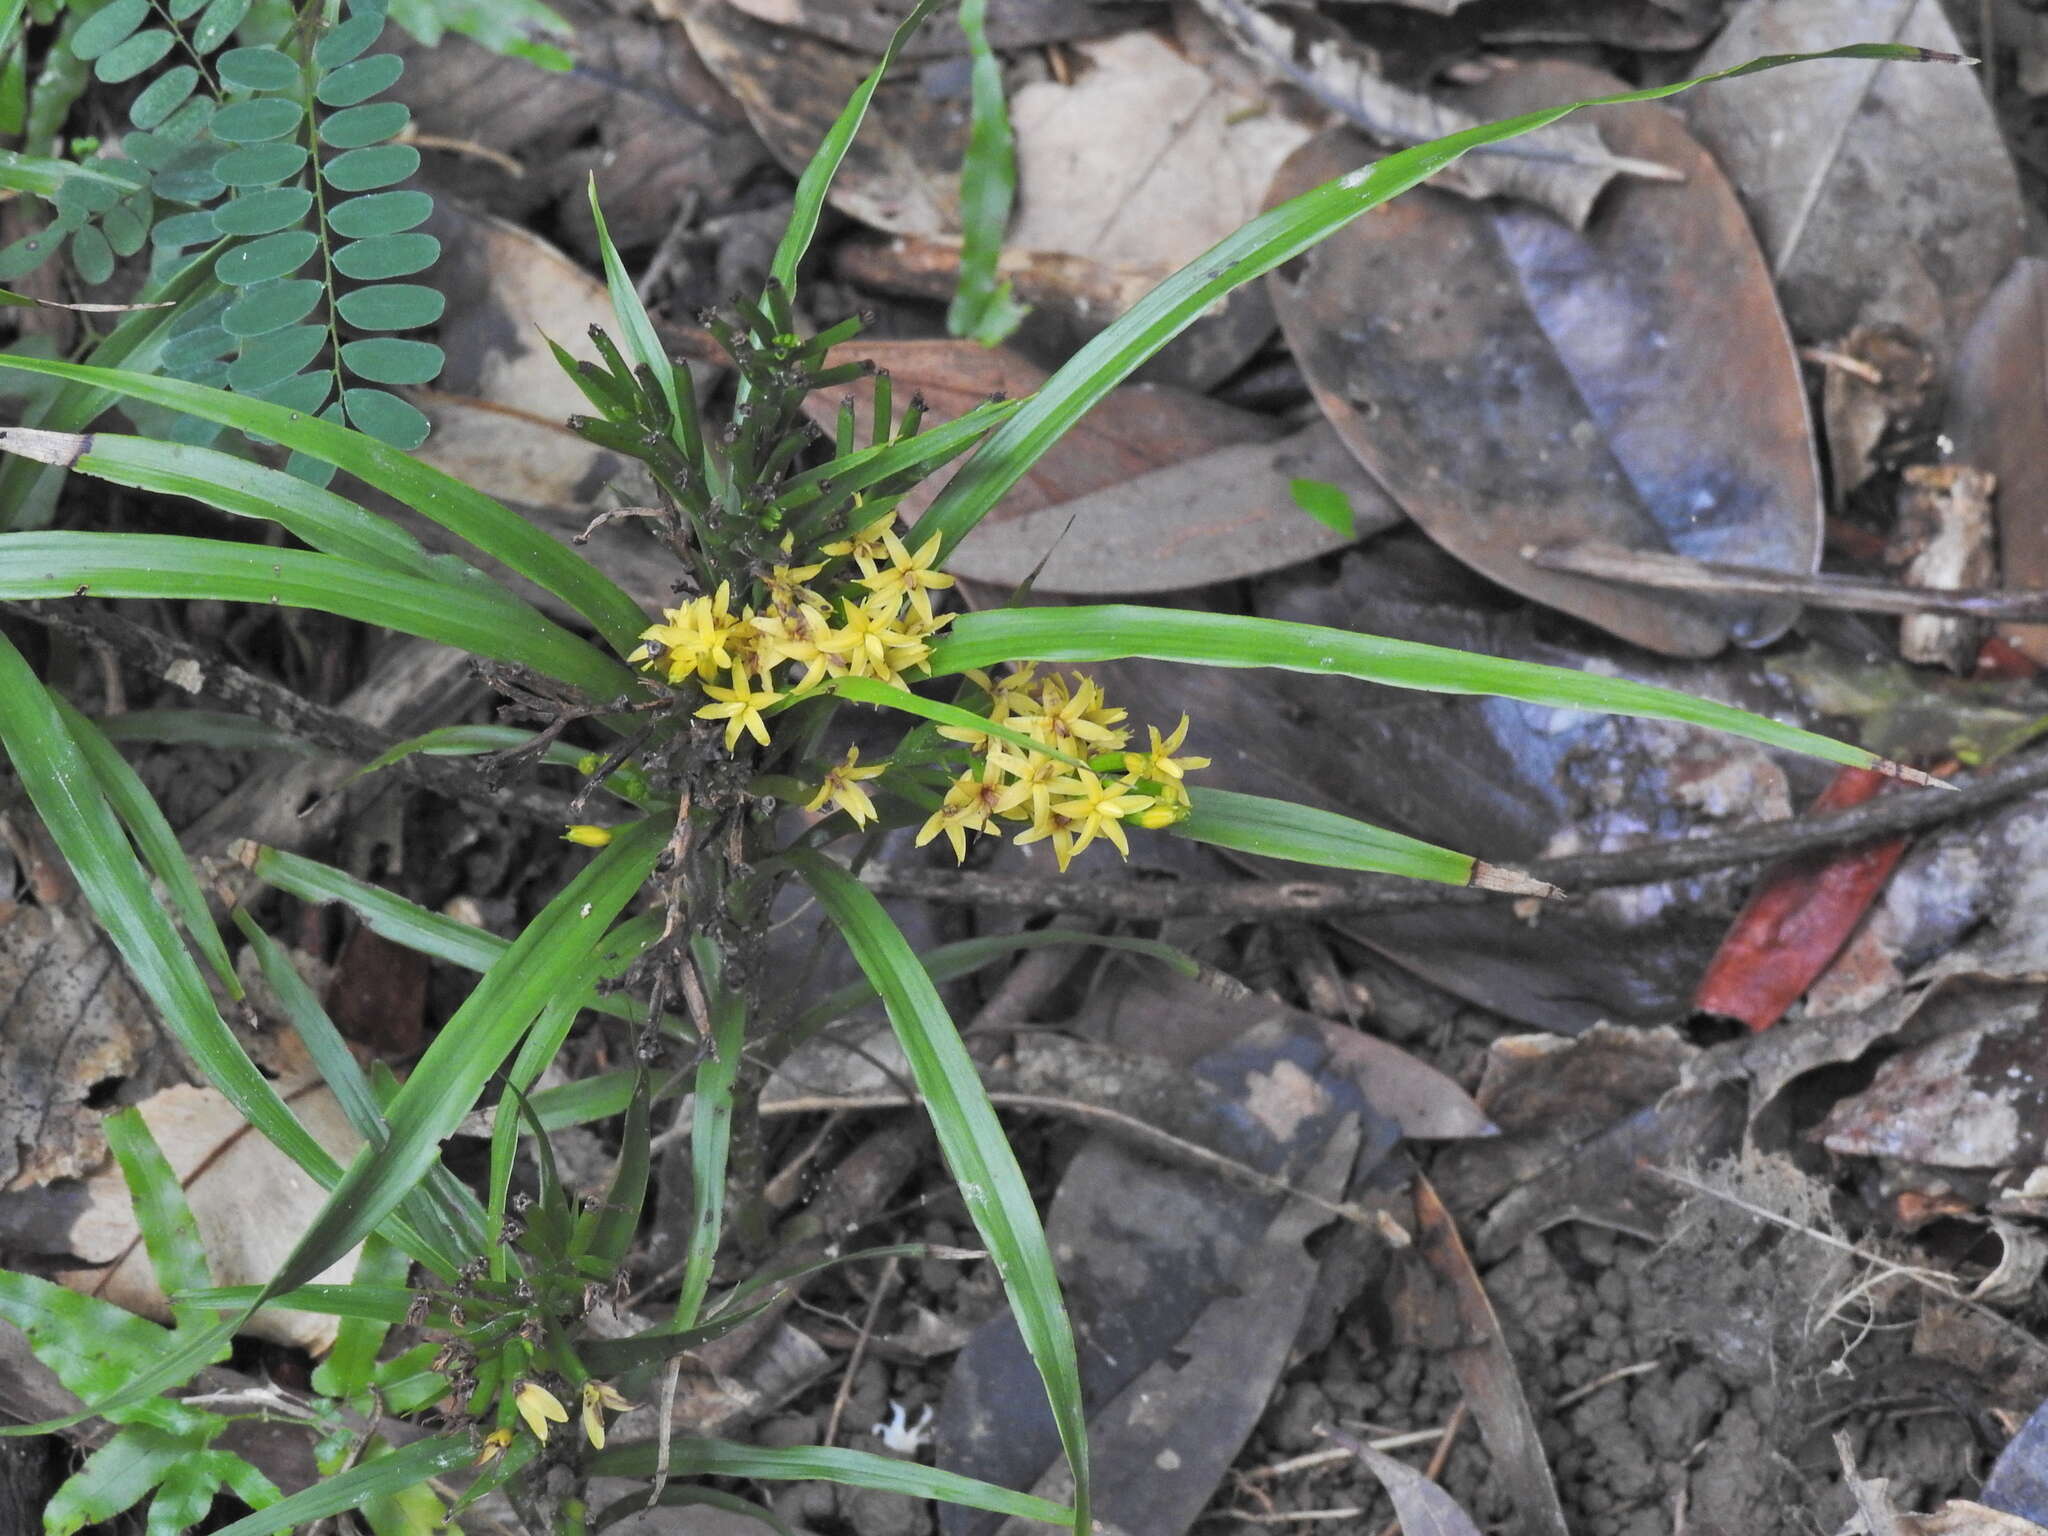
(816, 181)
(690, 1457)
(442, 1211)
(158, 844)
(1113, 631)
(28, 490)
(60, 784)
(483, 621)
(472, 1045)
(1268, 241)
(170, 1234)
(402, 1469)
(1280, 829)
(982, 307)
(332, 524)
(710, 1131)
(469, 514)
(977, 1152)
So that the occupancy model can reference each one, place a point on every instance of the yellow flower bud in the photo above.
(589, 837)
(494, 1447)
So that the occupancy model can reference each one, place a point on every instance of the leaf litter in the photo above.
(1632, 1349)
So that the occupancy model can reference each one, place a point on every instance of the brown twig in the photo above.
(1853, 594)
(1435, 1470)
(259, 698)
(1149, 900)
(860, 1349)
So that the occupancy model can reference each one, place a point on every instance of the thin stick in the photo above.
(1435, 1470)
(860, 1349)
(1852, 594)
(1149, 900)
(1074, 1109)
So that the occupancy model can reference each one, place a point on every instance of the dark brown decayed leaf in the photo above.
(1510, 381)
(1998, 419)
(1881, 193)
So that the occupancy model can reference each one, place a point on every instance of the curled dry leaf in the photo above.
(1997, 418)
(867, 27)
(1511, 381)
(902, 171)
(1562, 167)
(1444, 1299)
(1420, 1505)
(1154, 490)
(1798, 918)
(251, 1203)
(1881, 193)
(1877, 379)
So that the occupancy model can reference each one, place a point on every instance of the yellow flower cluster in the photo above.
(882, 633)
(1067, 804)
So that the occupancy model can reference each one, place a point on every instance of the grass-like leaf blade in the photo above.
(1280, 829)
(1109, 632)
(483, 621)
(691, 1457)
(983, 1166)
(446, 1083)
(404, 1468)
(154, 840)
(469, 514)
(170, 1233)
(816, 179)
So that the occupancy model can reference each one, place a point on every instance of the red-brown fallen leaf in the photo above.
(1800, 916)
(1998, 659)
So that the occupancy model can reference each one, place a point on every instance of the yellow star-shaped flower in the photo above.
(907, 575)
(1096, 809)
(740, 708)
(842, 788)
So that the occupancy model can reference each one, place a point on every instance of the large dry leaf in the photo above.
(1513, 382)
(902, 171)
(1882, 193)
(508, 292)
(1159, 1260)
(1998, 419)
(639, 110)
(1144, 161)
(1154, 490)
(867, 27)
(250, 1200)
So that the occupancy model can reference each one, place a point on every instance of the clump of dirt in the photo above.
(1692, 1384)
